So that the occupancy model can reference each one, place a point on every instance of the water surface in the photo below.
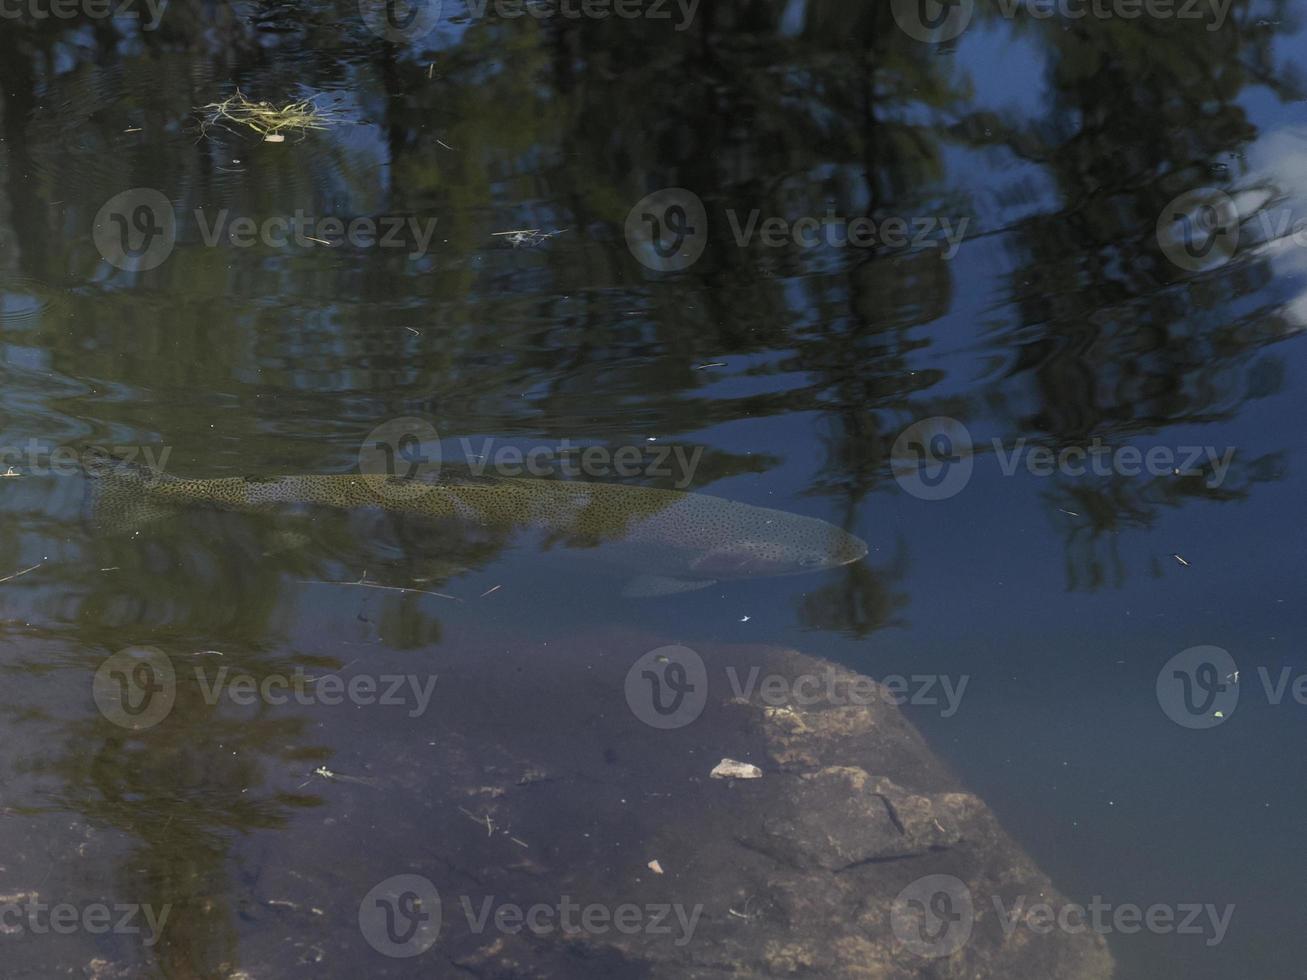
(1058, 320)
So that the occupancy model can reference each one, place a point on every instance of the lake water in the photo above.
(1018, 302)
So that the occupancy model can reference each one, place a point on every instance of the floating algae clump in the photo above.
(268, 120)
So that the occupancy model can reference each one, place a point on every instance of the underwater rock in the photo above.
(533, 796)
(812, 870)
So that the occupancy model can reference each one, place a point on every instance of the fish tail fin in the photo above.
(118, 497)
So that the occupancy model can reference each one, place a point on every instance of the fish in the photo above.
(666, 541)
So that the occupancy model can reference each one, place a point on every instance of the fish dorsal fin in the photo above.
(648, 586)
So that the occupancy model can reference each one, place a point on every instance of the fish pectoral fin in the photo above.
(647, 586)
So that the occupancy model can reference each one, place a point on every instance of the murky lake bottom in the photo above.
(429, 432)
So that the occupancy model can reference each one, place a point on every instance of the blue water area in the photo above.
(1017, 303)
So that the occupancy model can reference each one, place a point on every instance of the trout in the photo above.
(667, 541)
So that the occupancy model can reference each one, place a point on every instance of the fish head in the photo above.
(785, 545)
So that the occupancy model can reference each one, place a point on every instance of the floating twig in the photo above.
(327, 774)
(362, 584)
(8, 578)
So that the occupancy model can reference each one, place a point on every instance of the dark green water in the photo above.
(1026, 294)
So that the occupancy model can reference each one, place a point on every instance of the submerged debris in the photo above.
(730, 769)
(527, 236)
